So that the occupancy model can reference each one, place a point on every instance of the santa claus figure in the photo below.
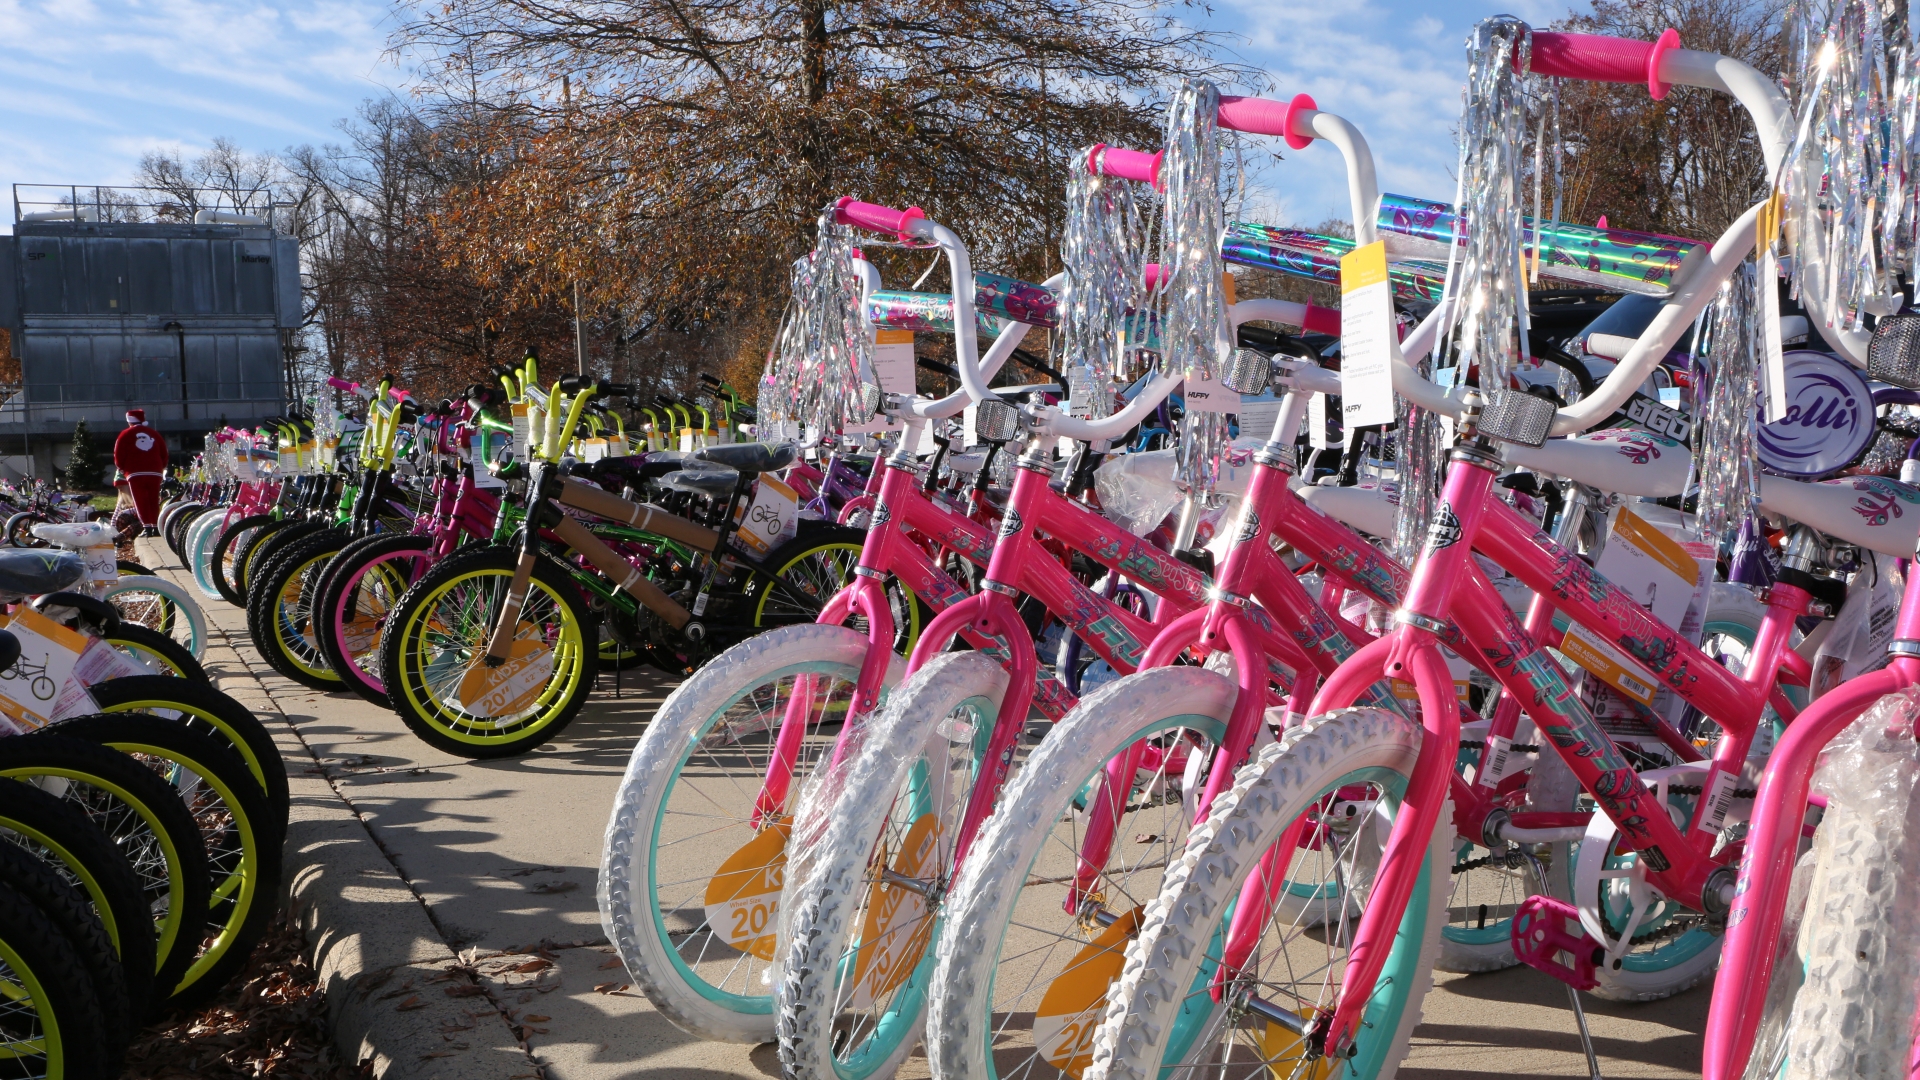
(140, 454)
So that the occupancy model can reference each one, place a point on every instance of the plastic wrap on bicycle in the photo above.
(1610, 258)
(1317, 256)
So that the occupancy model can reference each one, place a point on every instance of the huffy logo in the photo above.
(1445, 531)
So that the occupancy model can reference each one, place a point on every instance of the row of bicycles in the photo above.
(1133, 722)
(146, 810)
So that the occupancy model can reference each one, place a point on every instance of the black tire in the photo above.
(243, 856)
(270, 547)
(157, 649)
(457, 732)
(177, 527)
(208, 711)
(74, 919)
(286, 634)
(128, 566)
(347, 572)
(61, 836)
(65, 1010)
(19, 528)
(226, 555)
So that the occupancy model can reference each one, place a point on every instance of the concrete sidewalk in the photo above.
(450, 908)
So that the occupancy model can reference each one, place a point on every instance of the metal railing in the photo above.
(132, 204)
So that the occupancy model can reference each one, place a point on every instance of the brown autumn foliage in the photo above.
(669, 157)
(1687, 165)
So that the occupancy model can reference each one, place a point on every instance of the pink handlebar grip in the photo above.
(1596, 58)
(339, 383)
(399, 394)
(1125, 164)
(1264, 116)
(1321, 320)
(1153, 276)
(851, 211)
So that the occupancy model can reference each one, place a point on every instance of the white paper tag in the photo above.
(893, 360)
(1776, 364)
(1317, 436)
(1367, 336)
(1258, 415)
(1209, 395)
(1720, 797)
(968, 437)
(1496, 762)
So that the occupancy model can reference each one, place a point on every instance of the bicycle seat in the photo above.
(714, 482)
(1368, 507)
(1619, 460)
(1872, 511)
(28, 573)
(753, 457)
(75, 534)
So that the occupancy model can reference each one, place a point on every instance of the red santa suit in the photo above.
(140, 453)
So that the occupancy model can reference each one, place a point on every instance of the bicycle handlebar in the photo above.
(1117, 161)
(1265, 116)
(865, 215)
(1598, 58)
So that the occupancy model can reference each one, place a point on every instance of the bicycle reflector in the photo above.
(871, 398)
(1893, 355)
(1517, 417)
(1246, 372)
(995, 421)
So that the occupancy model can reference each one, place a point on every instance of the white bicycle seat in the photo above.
(76, 535)
(1369, 506)
(1619, 460)
(1872, 511)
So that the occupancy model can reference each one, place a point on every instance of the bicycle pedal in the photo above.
(1542, 941)
(1517, 417)
(1893, 354)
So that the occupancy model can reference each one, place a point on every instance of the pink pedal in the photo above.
(1542, 941)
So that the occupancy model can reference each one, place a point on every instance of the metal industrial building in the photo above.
(181, 303)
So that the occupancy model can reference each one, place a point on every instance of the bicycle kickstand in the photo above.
(1539, 875)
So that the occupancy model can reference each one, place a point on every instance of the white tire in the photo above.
(129, 589)
(1012, 876)
(202, 535)
(701, 983)
(1144, 1028)
(902, 800)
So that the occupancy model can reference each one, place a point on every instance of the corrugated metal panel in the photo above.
(105, 283)
(260, 366)
(286, 277)
(192, 276)
(9, 287)
(224, 262)
(149, 277)
(73, 273)
(43, 284)
(253, 277)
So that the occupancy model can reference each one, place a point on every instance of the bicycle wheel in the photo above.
(281, 616)
(857, 952)
(157, 652)
(174, 531)
(433, 661)
(804, 573)
(360, 587)
(265, 547)
(161, 606)
(50, 1017)
(1161, 1019)
(74, 919)
(684, 852)
(243, 855)
(20, 529)
(224, 560)
(197, 551)
(144, 818)
(1020, 982)
(210, 712)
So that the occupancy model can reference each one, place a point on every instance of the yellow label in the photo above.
(898, 925)
(1607, 664)
(1662, 548)
(1076, 1002)
(1364, 266)
(71, 640)
(744, 893)
(893, 337)
(1286, 1055)
(1766, 226)
(512, 687)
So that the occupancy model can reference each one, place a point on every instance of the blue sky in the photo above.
(92, 84)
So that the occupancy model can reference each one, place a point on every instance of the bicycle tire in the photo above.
(209, 711)
(20, 529)
(244, 858)
(356, 658)
(74, 919)
(703, 994)
(70, 833)
(51, 980)
(280, 614)
(224, 559)
(261, 550)
(197, 551)
(790, 598)
(915, 763)
(184, 610)
(158, 651)
(484, 574)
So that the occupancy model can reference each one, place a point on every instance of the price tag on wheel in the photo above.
(33, 690)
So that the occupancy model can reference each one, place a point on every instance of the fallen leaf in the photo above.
(613, 963)
(532, 965)
(410, 1004)
(468, 990)
(610, 988)
(533, 1019)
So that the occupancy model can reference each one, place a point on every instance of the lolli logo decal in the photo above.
(1829, 418)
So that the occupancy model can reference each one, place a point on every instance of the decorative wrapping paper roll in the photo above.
(994, 297)
(1317, 256)
(1607, 258)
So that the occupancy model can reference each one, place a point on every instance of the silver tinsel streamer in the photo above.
(1724, 443)
(1850, 169)
(1192, 299)
(1493, 119)
(823, 351)
(1418, 460)
(1104, 249)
